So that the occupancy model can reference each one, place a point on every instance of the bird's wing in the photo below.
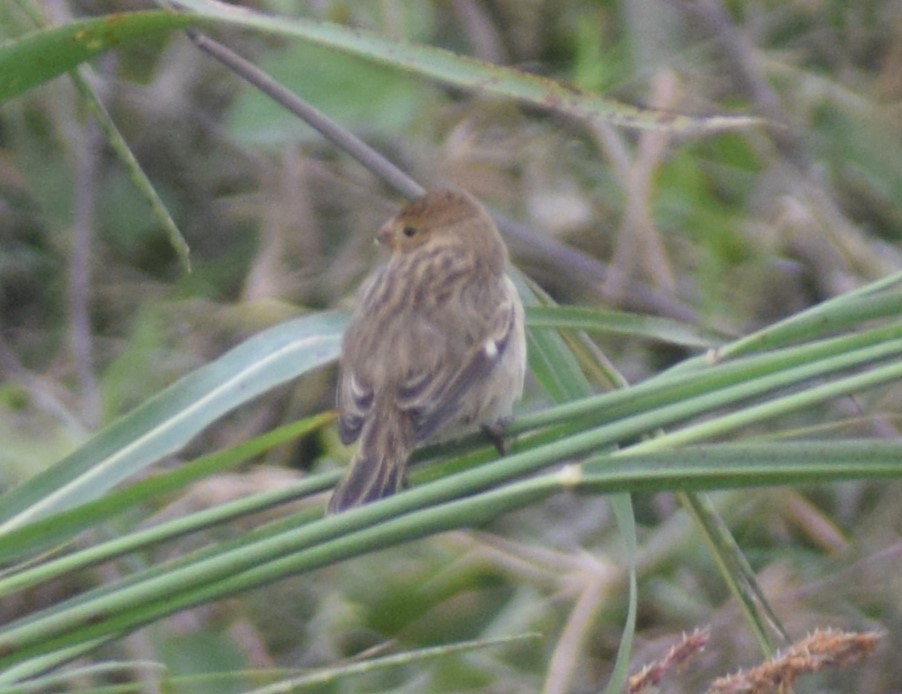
(402, 357)
(437, 396)
(425, 363)
(355, 399)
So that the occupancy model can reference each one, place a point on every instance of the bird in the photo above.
(435, 346)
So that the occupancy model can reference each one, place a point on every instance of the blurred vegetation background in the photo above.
(728, 231)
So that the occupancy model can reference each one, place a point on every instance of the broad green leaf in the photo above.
(42, 534)
(463, 71)
(47, 53)
(166, 422)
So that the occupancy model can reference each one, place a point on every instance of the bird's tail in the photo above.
(378, 468)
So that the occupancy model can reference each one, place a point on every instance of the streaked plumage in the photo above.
(435, 345)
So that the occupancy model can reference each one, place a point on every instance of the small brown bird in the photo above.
(435, 346)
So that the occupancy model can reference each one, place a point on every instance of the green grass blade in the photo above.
(463, 71)
(736, 571)
(47, 53)
(302, 547)
(58, 528)
(140, 180)
(166, 422)
(823, 319)
(622, 323)
(741, 465)
(330, 675)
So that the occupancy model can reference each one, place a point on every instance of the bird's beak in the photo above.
(385, 234)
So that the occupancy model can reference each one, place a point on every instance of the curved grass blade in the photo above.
(622, 323)
(736, 571)
(464, 71)
(567, 383)
(58, 528)
(47, 53)
(330, 675)
(166, 422)
(57, 44)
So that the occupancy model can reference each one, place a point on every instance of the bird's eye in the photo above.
(409, 232)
